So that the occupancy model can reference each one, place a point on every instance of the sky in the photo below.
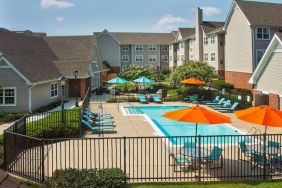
(81, 17)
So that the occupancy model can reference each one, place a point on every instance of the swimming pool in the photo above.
(171, 128)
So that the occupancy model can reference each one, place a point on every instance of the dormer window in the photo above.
(262, 33)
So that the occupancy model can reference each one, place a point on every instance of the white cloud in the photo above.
(210, 11)
(60, 19)
(55, 4)
(169, 22)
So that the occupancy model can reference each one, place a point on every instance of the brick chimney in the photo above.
(199, 35)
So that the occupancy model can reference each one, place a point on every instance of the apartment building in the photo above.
(248, 30)
(205, 43)
(120, 49)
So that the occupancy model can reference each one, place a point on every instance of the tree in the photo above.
(133, 72)
(199, 70)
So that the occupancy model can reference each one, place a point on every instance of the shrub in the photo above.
(133, 72)
(7, 117)
(221, 84)
(189, 69)
(128, 99)
(107, 178)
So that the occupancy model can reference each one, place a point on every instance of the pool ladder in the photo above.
(253, 131)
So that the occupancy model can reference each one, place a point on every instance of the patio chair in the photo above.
(189, 144)
(142, 99)
(223, 105)
(245, 150)
(215, 155)
(213, 100)
(97, 118)
(273, 144)
(179, 161)
(97, 128)
(97, 122)
(216, 103)
(191, 98)
(260, 160)
(96, 114)
(156, 98)
(231, 109)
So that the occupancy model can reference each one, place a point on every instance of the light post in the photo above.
(62, 81)
(75, 74)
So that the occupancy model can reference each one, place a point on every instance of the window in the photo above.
(7, 96)
(212, 57)
(138, 47)
(54, 90)
(191, 57)
(206, 57)
(124, 58)
(164, 48)
(181, 45)
(152, 58)
(182, 57)
(152, 48)
(165, 58)
(139, 58)
(263, 33)
(206, 40)
(125, 48)
(170, 58)
(212, 39)
(259, 54)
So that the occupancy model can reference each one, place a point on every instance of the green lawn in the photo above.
(251, 184)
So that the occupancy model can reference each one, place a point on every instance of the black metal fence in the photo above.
(143, 159)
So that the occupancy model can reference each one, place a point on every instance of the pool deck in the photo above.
(138, 126)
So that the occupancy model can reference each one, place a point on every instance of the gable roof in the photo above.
(142, 38)
(186, 32)
(277, 39)
(212, 27)
(259, 13)
(74, 53)
(29, 55)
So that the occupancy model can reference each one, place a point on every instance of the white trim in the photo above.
(256, 56)
(52, 97)
(29, 99)
(263, 62)
(108, 33)
(166, 56)
(28, 82)
(122, 60)
(140, 46)
(140, 56)
(206, 53)
(152, 45)
(211, 57)
(125, 50)
(154, 57)
(262, 33)
(15, 96)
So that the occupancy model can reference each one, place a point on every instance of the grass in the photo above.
(247, 184)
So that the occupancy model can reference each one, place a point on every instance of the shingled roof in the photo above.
(186, 32)
(262, 13)
(211, 26)
(142, 38)
(30, 55)
(74, 53)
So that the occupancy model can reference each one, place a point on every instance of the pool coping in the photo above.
(159, 132)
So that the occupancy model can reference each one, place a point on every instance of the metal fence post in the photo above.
(42, 160)
(5, 152)
(199, 150)
(124, 157)
(264, 156)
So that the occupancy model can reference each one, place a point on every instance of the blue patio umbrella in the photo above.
(143, 79)
(117, 80)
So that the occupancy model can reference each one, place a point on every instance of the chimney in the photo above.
(199, 34)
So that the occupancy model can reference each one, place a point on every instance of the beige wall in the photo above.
(172, 55)
(270, 78)
(238, 44)
(191, 44)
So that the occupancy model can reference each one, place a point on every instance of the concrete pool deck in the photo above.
(138, 126)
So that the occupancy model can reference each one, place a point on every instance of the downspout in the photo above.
(29, 98)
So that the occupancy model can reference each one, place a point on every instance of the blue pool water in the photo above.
(171, 128)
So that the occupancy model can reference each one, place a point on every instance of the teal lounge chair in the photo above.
(87, 111)
(245, 151)
(97, 128)
(191, 98)
(216, 99)
(215, 155)
(260, 160)
(142, 99)
(97, 122)
(156, 98)
(214, 103)
(99, 118)
(231, 109)
(223, 105)
(273, 144)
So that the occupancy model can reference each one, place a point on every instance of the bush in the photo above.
(7, 117)
(128, 99)
(107, 178)
(221, 84)
(199, 70)
(133, 72)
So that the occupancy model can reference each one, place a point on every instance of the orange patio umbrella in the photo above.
(262, 115)
(193, 81)
(197, 114)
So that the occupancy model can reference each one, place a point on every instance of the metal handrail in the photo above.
(129, 104)
(255, 131)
